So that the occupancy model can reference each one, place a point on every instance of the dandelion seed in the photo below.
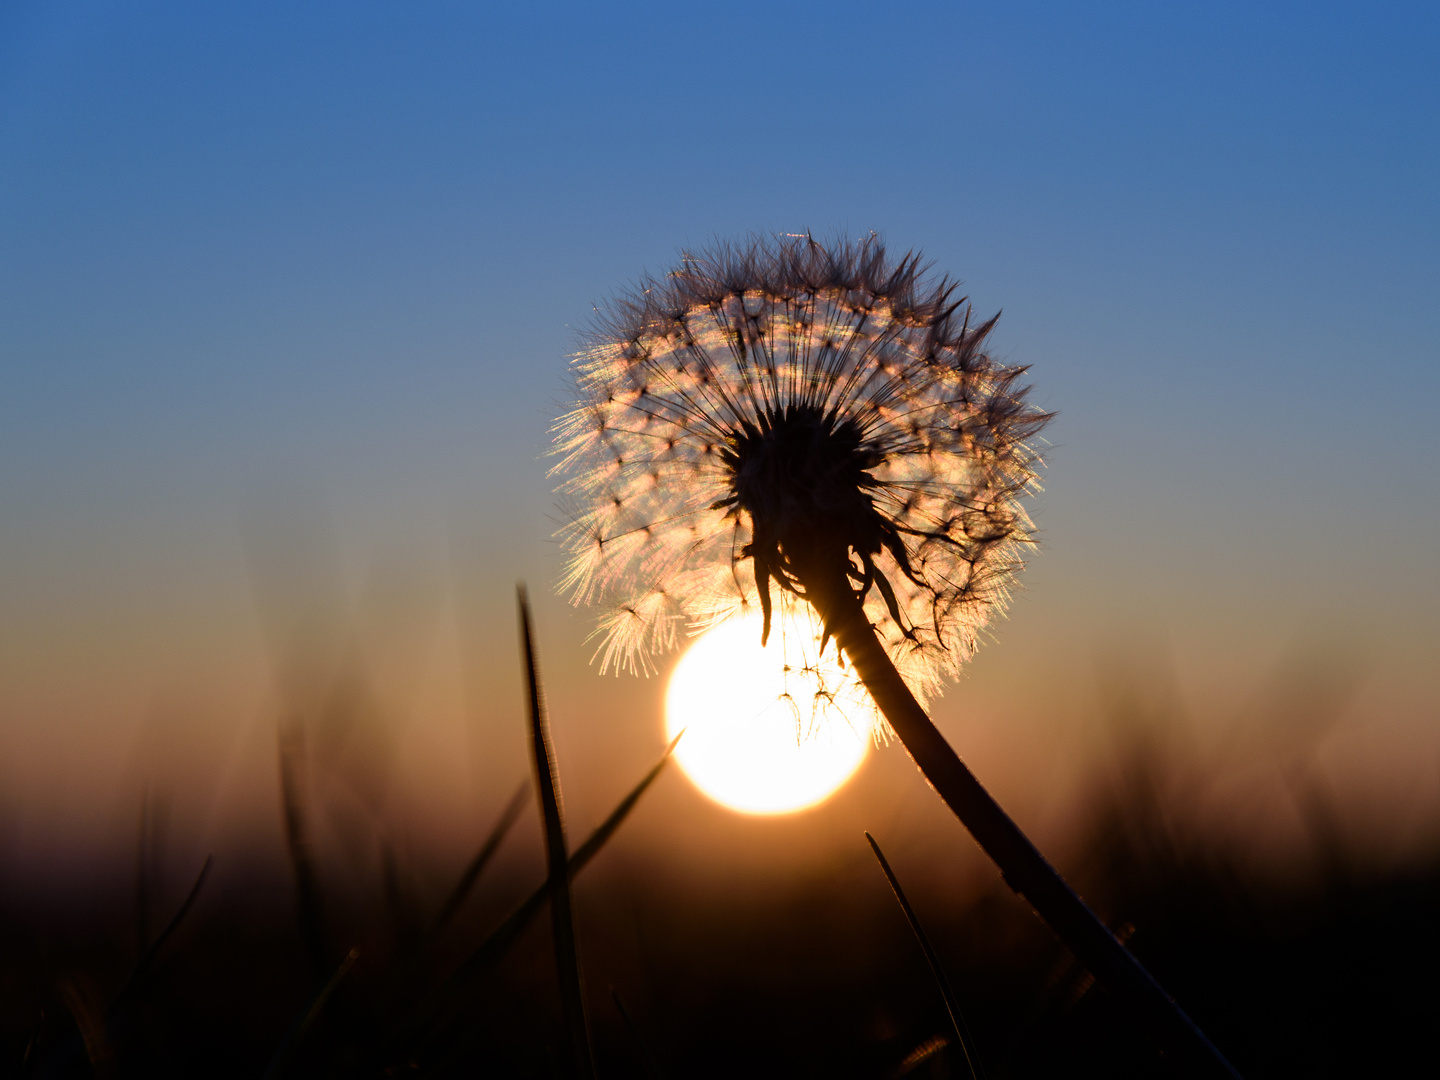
(776, 419)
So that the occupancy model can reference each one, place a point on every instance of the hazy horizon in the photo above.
(286, 300)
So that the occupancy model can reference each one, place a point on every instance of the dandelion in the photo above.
(787, 423)
(792, 423)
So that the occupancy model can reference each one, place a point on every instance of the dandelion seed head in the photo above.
(767, 407)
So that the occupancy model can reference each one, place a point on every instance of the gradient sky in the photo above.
(324, 263)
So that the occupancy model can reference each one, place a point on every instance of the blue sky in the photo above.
(342, 250)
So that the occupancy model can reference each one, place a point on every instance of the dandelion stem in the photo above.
(1025, 870)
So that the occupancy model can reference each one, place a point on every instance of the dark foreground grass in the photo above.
(821, 978)
(818, 975)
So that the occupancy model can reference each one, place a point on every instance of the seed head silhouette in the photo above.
(794, 423)
(773, 420)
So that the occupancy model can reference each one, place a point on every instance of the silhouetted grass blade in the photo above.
(957, 1019)
(412, 961)
(494, 947)
(482, 858)
(149, 861)
(598, 838)
(1023, 867)
(148, 956)
(567, 960)
(308, 1018)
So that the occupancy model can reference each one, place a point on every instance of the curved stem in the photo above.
(1024, 868)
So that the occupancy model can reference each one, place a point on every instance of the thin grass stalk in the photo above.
(413, 959)
(952, 1004)
(1025, 870)
(153, 949)
(493, 948)
(482, 858)
(307, 1019)
(150, 861)
(562, 919)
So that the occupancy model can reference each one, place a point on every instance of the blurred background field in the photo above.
(285, 300)
(755, 945)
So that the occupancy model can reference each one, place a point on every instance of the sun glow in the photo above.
(767, 730)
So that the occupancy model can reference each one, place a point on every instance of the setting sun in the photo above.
(767, 730)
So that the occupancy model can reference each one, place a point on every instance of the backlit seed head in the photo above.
(767, 405)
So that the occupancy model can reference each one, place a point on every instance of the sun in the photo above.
(767, 730)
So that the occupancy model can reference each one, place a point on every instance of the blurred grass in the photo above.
(1321, 967)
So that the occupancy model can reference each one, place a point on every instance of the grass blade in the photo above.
(567, 960)
(1021, 865)
(957, 1019)
(307, 1019)
(148, 956)
(482, 858)
(588, 850)
(494, 947)
(411, 962)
